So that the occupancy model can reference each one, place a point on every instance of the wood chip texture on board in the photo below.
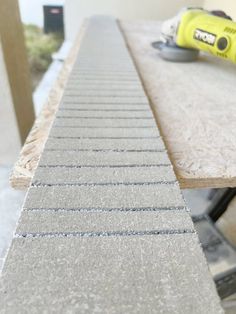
(194, 105)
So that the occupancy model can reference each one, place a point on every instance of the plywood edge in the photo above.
(209, 183)
(27, 162)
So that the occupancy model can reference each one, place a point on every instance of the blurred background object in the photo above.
(40, 47)
(76, 11)
(228, 6)
(53, 18)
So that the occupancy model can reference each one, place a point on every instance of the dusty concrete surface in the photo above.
(126, 274)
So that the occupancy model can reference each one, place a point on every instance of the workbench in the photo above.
(193, 103)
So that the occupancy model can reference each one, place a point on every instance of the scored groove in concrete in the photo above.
(85, 68)
(121, 123)
(86, 88)
(105, 114)
(104, 197)
(112, 76)
(105, 93)
(109, 144)
(106, 100)
(71, 84)
(102, 132)
(104, 226)
(89, 222)
(133, 274)
(98, 159)
(50, 176)
(103, 73)
(90, 65)
(88, 107)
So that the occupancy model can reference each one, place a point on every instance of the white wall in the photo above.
(229, 6)
(32, 10)
(77, 10)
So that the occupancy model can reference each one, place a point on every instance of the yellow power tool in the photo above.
(195, 29)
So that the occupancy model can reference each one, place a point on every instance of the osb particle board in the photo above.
(26, 164)
(195, 108)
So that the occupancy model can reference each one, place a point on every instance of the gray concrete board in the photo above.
(70, 176)
(105, 114)
(105, 93)
(105, 144)
(123, 197)
(104, 132)
(37, 222)
(109, 158)
(112, 107)
(106, 100)
(126, 274)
